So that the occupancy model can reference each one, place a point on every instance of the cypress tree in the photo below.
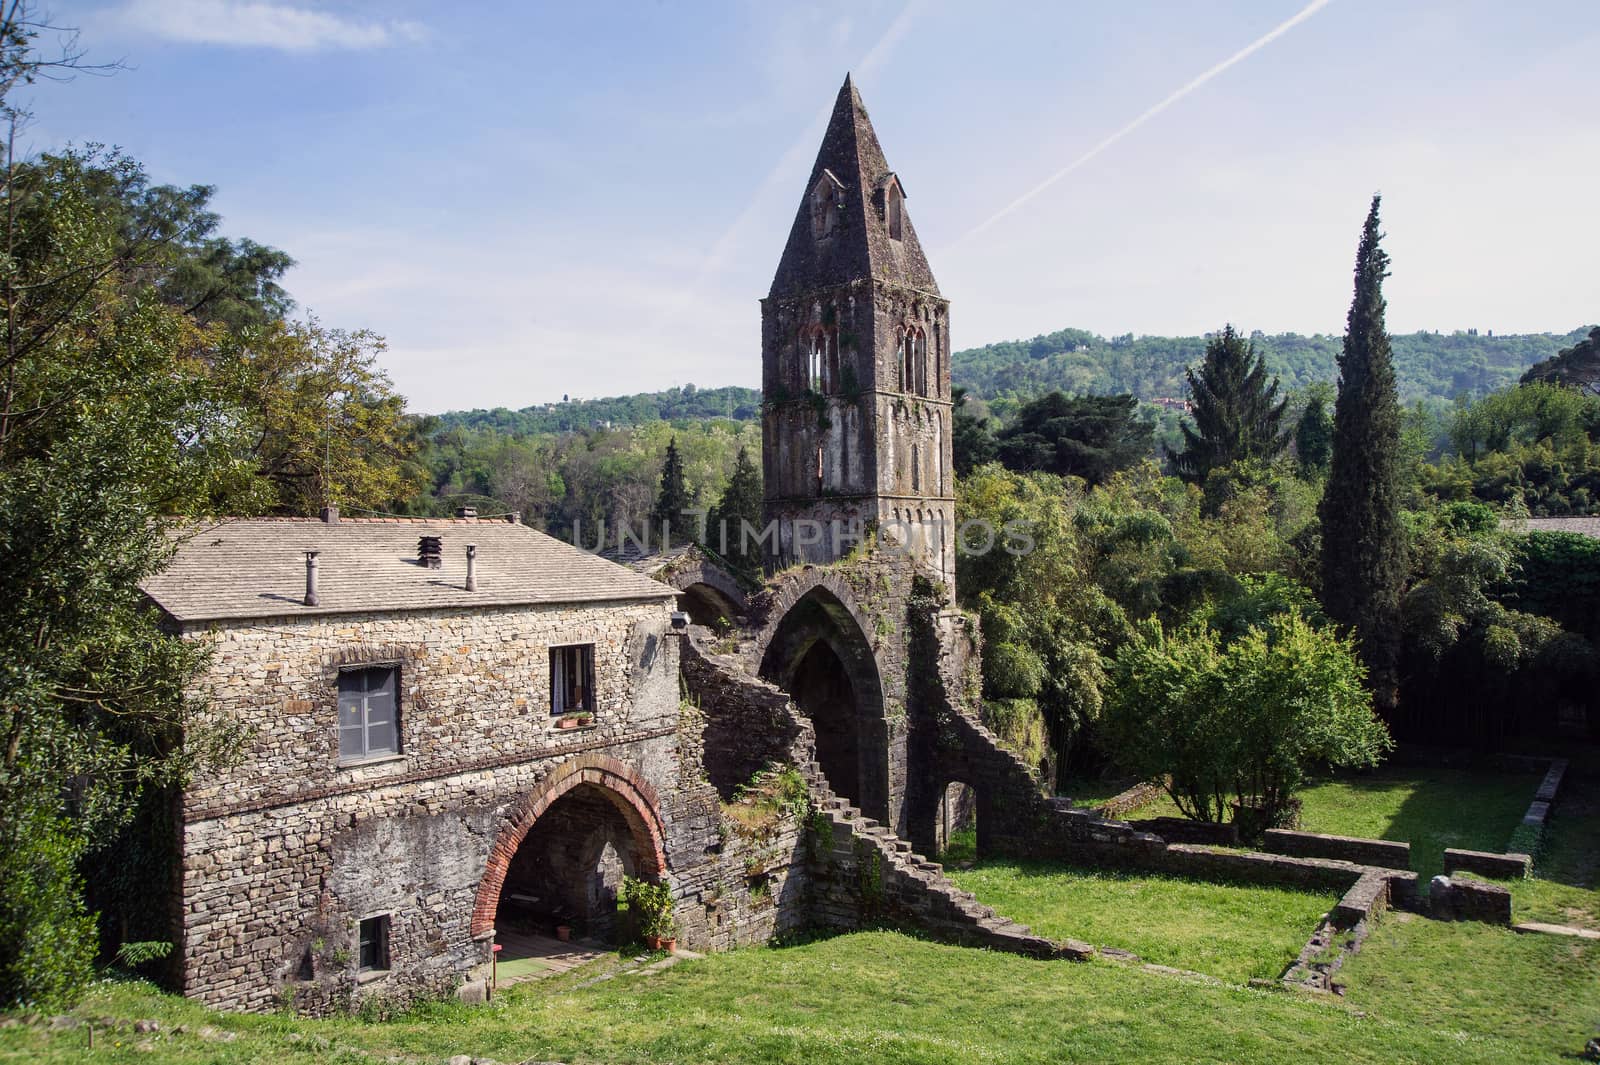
(740, 505)
(673, 498)
(1237, 414)
(1313, 434)
(1363, 547)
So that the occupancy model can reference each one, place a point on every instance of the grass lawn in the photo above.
(867, 998)
(1431, 808)
(1091, 791)
(1480, 981)
(1233, 932)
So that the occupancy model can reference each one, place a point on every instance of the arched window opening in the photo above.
(825, 206)
(916, 472)
(895, 209)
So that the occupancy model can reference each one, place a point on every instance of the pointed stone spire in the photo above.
(852, 181)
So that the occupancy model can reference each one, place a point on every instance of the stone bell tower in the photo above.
(855, 353)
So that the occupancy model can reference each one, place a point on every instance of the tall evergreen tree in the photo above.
(739, 507)
(673, 499)
(1076, 436)
(1313, 433)
(1237, 414)
(1363, 547)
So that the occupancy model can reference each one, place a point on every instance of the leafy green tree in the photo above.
(1313, 432)
(971, 439)
(1090, 437)
(327, 426)
(673, 498)
(1044, 619)
(738, 509)
(109, 419)
(1237, 413)
(1235, 728)
(1363, 542)
(1575, 367)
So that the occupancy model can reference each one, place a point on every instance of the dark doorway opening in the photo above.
(819, 654)
(568, 871)
(821, 689)
(955, 824)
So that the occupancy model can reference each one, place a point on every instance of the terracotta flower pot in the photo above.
(564, 932)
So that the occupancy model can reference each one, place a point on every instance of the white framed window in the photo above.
(369, 713)
(572, 679)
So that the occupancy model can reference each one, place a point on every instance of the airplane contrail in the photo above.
(1243, 53)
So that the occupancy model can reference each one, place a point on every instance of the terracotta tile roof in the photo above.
(1581, 526)
(250, 568)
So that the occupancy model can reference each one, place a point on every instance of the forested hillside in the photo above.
(1429, 365)
(1432, 366)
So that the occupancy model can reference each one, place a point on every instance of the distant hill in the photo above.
(1432, 366)
(675, 404)
(1429, 365)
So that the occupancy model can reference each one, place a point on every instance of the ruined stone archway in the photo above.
(629, 794)
(709, 594)
(819, 652)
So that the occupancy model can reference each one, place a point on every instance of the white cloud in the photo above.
(260, 24)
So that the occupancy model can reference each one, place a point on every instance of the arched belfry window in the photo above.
(819, 346)
(894, 208)
(825, 202)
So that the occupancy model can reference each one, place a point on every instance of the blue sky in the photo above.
(538, 199)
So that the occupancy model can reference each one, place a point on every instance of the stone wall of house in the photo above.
(285, 852)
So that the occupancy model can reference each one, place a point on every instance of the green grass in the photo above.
(867, 998)
(1565, 888)
(1091, 791)
(1481, 982)
(1431, 808)
(1231, 931)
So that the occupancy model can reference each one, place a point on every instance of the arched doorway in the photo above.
(955, 824)
(561, 855)
(568, 870)
(819, 654)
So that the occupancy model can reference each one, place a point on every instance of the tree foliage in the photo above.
(1235, 727)
(738, 508)
(1076, 436)
(1363, 545)
(1238, 415)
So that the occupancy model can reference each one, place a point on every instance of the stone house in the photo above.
(449, 723)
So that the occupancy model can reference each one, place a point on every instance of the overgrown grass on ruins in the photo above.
(1235, 932)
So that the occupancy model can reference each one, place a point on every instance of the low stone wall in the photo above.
(1384, 853)
(1499, 866)
(1127, 801)
(1184, 830)
(1343, 931)
(1455, 899)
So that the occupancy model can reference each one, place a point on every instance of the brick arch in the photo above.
(622, 785)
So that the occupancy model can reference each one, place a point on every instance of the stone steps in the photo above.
(933, 903)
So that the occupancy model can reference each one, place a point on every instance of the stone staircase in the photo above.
(909, 890)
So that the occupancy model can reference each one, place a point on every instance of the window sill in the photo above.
(372, 976)
(590, 727)
(377, 759)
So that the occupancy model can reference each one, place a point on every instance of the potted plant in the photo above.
(567, 721)
(585, 720)
(651, 908)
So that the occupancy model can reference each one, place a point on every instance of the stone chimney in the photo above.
(330, 515)
(311, 578)
(430, 552)
(472, 572)
(466, 512)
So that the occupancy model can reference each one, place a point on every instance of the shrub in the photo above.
(1238, 726)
